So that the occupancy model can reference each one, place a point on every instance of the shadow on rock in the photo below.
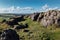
(26, 30)
(15, 20)
(21, 26)
(9, 35)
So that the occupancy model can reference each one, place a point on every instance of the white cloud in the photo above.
(17, 9)
(53, 8)
(28, 8)
(47, 7)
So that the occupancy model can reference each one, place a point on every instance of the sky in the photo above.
(28, 6)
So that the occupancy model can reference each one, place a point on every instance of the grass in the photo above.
(36, 31)
(36, 28)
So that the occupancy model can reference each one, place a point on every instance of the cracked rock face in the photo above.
(51, 17)
(48, 18)
(9, 35)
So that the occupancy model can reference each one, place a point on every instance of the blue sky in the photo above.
(28, 6)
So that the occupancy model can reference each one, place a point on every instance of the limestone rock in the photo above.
(47, 18)
(51, 17)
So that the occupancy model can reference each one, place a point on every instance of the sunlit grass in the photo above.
(36, 30)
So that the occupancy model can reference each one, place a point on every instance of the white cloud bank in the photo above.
(18, 9)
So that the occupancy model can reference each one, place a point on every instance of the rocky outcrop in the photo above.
(51, 17)
(14, 21)
(41, 15)
(37, 16)
(48, 18)
(9, 35)
(34, 16)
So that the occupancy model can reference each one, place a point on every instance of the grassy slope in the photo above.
(36, 31)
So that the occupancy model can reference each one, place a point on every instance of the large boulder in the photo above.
(9, 35)
(14, 21)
